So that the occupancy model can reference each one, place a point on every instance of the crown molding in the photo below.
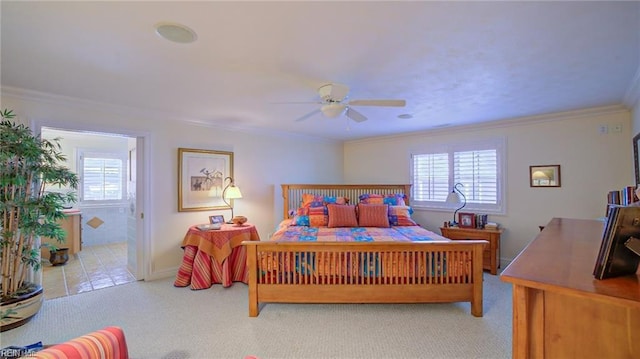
(504, 123)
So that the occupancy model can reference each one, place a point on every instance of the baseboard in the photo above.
(163, 274)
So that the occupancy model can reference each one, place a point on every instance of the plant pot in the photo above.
(18, 311)
(59, 256)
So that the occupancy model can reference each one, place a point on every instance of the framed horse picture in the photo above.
(201, 175)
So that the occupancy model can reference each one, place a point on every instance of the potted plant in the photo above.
(28, 163)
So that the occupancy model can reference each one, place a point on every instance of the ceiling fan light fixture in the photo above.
(333, 110)
(333, 92)
(176, 32)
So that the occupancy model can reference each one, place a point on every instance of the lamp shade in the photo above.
(453, 198)
(333, 110)
(232, 192)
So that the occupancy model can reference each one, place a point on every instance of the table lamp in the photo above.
(230, 192)
(454, 199)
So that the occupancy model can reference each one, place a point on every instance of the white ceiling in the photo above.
(453, 62)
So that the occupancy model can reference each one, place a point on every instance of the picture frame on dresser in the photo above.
(466, 220)
(201, 175)
(218, 218)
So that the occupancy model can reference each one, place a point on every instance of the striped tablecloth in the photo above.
(215, 256)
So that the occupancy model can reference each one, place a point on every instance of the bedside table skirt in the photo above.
(200, 270)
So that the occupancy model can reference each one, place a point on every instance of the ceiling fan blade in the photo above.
(355, 115)
(310, 114)
(388, 103)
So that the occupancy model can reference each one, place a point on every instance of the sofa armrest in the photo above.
(106, 343)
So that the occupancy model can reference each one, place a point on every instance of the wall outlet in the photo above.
(603, 129)
(616, 128)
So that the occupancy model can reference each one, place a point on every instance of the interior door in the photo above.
(135, 239)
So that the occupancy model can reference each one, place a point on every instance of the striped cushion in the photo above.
(342, 215)
(373, 215)
(107, 343)
(401, 216)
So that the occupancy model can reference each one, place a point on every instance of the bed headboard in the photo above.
(292, 193)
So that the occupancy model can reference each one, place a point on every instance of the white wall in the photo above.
(261, 163)
(636, 118)
(591, 165)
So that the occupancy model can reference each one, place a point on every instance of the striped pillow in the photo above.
(104, 343)
(401, 216)
(373, 215)
(342, 215)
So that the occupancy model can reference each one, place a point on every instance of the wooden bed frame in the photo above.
(428, 272)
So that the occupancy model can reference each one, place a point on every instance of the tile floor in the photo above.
(92, 268)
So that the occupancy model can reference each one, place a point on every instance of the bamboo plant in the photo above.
(28, 163)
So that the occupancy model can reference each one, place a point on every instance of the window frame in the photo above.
(97, 153)
(499, 144)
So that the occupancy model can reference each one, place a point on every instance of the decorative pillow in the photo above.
(401, 216)
(342, 215)
(317, 208)
(336, 200)
(318, 216)
(301, 217)
(396, 199)
(312, 200)
(373, 215)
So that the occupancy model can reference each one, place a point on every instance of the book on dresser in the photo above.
(614, 258)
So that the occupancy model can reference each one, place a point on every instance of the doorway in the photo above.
(109, 208)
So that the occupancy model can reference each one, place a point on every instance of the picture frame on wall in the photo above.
(466, 220)
(544, 176)
(201, 175)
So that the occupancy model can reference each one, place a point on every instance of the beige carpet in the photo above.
(161, 321)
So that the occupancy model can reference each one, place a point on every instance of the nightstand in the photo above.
(491, 254)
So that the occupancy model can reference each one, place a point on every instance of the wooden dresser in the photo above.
(559, 309)
(491, 253)
(72, 226)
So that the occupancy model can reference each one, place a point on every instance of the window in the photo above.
(102, 177)
(478, 167)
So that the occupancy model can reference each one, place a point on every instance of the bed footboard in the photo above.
(372, 272)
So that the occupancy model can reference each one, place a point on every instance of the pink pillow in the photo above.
(342, 215)
(373, 215)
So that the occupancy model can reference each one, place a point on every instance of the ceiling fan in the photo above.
(333, 100)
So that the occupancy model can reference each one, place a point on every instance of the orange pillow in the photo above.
(373, 215)
(342, 215)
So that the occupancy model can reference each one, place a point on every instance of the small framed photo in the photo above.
(216, 219)
(466, 220)
(544, 176)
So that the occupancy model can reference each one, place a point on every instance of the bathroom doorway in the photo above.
(107, 204)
